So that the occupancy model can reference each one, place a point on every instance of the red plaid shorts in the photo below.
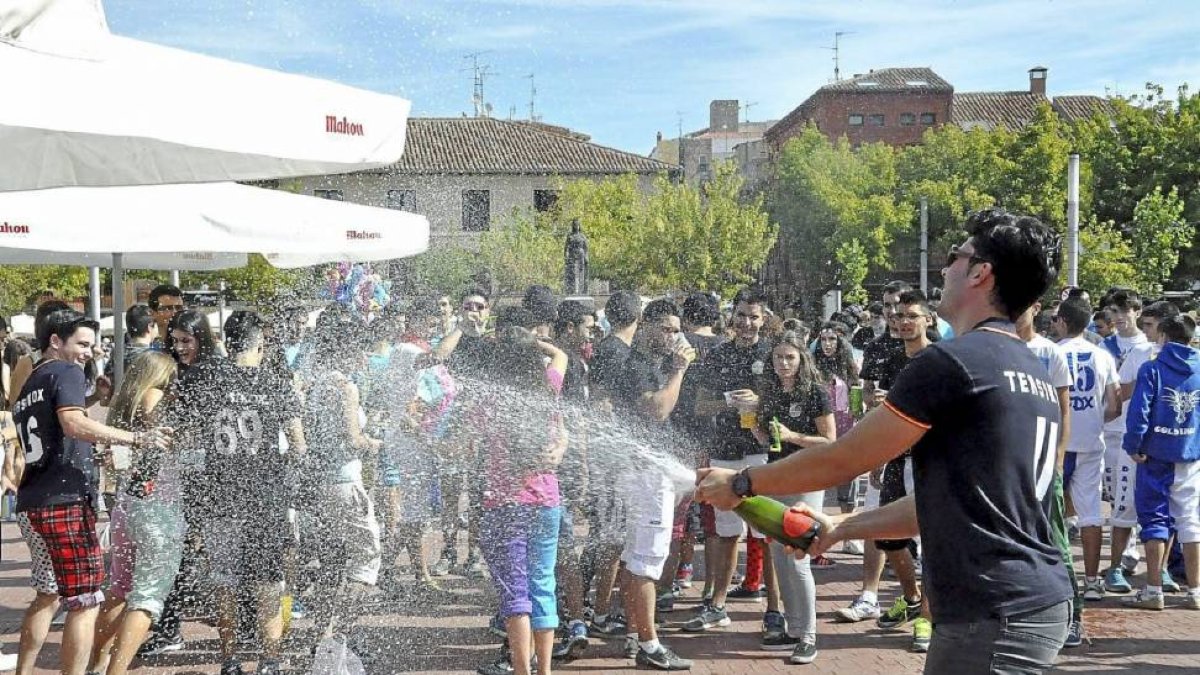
(69, 534)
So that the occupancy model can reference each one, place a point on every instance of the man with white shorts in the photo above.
(1095, 399)
(727, 381)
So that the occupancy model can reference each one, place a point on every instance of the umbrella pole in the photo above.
(94, 293)
(118, 294)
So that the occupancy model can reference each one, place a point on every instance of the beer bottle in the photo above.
(778, 522)
(776, 436)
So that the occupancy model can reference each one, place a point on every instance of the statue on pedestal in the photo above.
(575, 277)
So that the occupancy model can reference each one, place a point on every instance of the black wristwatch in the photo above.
(741, 484)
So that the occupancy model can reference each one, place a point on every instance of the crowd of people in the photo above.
(243, 473)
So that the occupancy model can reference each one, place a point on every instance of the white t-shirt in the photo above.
(1135, 351)
(1054, 361)
(1093, 371)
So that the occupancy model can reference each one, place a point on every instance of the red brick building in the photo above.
(892, 105)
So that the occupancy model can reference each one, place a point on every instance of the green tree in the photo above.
(1159, 233)
(527, 250)
(1106, 257)
(20, 284)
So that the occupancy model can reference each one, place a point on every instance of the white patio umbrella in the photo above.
(82, 106)
(205, 226)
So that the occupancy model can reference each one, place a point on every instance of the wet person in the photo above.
(522, 437)
(58, 489)
(345, 533)
(141, 330)
(147, 525)
(795, 408)
(983, 423)
(834, 359)
(192, 344)
(230, 410)
(648, 389)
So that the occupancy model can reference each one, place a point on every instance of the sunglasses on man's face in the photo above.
(473, 306)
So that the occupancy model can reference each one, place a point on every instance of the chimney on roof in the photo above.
(660, 137)
(723, 115)
(1037, 80)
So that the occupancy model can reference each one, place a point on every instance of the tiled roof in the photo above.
(992, 109)
(480, 145)
(1078, 108)
(893, 80)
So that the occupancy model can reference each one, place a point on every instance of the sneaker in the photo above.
(922, 634)
(780, 642)
(663, 659)
(684, 576)
(473, 567)
(708, 617)
(1115, 582)
(268, 667)
(232, 667)
(1074, 634)
(1094, 590)
(743, 594)
(1190, 601)
(159, 644)
(852, 547)
(900, 613)
(501, 666)
(613, 626)
(573, 644)
(498, 626)
(444, 564)
(8, 662)
(1168, 584)
(859, 610)
(631, 647)
(1144, 600)
(773, 623)
(805, 652)
(665, 602)
(299, 611)
(1130, 559)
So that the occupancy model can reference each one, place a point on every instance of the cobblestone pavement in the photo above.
(448, 635)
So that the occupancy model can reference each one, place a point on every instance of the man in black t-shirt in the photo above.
(983, 423)
(58, 477)
(727, 380)
(234, 411)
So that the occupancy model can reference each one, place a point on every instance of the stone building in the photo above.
(469, 174)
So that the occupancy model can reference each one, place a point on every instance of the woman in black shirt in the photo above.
(795, 397)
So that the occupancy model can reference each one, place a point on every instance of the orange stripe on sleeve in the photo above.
(906, 418)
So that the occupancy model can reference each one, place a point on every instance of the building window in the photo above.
(335, 195)
(402, 200)
(477, 210)
(928, 118)
(907, 119)
(875, 120)
(544, 200)
(856, 120)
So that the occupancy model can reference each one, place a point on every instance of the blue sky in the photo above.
(620, 70)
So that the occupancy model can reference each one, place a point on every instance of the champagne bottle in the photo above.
(775, 520)
(776, 436)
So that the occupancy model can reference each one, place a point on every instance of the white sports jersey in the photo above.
(1093, 371)
(1054, 361)
(1135, 351)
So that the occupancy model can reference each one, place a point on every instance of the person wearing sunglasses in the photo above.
(983, 423)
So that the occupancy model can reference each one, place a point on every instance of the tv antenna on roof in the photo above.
(837, 53)
(532, 97)
(479, 74)
(746, 108)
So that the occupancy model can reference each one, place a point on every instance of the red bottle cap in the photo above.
(796, 524)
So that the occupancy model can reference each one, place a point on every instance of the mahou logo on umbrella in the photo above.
(9, 228)
(354, 235)
(333, 125)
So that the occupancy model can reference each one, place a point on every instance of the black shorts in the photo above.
(243, 549)
(892, 489)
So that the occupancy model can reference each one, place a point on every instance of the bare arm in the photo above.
(659, 404)
(21, 373)
(1112, 403)
(1064, 438)
(897, 520)
(360, 440)
(558, 358)
(76, 424)
(882, 435)
(446, 347)
(826, 433)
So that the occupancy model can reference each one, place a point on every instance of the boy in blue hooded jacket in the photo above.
(1161, 435)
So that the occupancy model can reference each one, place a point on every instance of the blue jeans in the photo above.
(1022, 644)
